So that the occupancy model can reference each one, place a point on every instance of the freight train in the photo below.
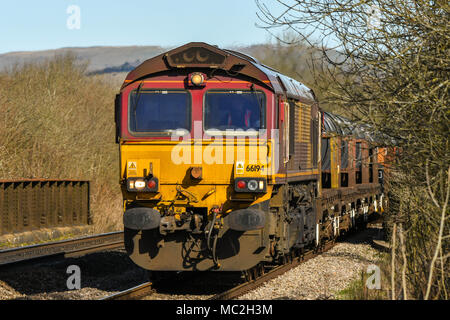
(227, 164)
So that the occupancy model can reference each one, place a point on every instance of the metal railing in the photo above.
(27, 205)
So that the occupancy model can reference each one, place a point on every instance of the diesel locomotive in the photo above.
(227, 164)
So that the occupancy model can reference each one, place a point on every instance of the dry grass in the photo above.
(358, 290)
(55, 122)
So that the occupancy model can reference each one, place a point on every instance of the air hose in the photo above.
(208, 241)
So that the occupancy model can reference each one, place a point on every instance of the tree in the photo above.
(298, 60)
(393, 72)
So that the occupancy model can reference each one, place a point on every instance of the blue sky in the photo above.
(39, 25)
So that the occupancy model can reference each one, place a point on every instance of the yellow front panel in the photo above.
(171, 162)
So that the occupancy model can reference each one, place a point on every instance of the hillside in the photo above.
(111, 59)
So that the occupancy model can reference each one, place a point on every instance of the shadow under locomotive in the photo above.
(193, 248)
(106, 271)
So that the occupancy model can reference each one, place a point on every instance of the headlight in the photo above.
(252, 185)
(197, 79)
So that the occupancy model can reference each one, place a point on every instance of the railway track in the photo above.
(265, 274)
(136, 292)
(146, 289)
(66, 248)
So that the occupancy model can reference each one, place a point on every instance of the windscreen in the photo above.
(159, 111)
(234, 110)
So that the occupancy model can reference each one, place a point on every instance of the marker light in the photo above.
(197, 79)
(151, 184)
(261, 185)
(139, 184)
(241, 184)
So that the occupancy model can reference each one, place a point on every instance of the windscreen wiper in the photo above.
(135, 104)
(261, 108)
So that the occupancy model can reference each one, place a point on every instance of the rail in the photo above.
(136, 292)
(68, 248)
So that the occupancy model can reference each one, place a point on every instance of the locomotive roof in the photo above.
(202, 55)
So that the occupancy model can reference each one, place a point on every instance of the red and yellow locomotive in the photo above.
(224, 165)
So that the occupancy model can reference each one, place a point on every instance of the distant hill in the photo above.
(101, 59)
